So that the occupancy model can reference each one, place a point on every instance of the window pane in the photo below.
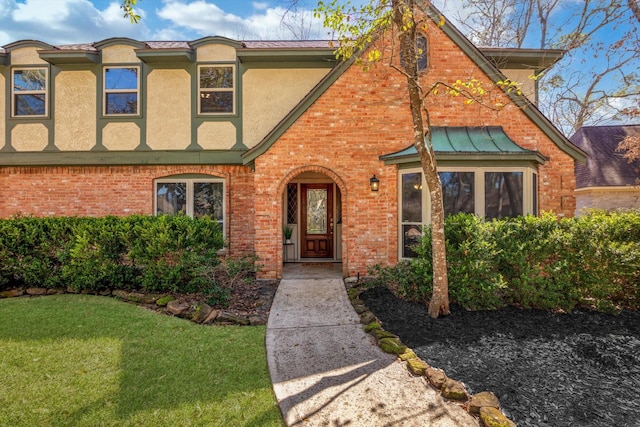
(292, 203)
(171, 198)
(29, 105)
(503, 194)
(535, 195)
(421, 52)
(207, 199)
(121, 78)
(317, 211)
(216, 77)
(412, 197)
(410, 238)
(457, 192)
(216, 102)
(29, 80)
(122, 103)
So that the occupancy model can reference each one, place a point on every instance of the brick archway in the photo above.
(338, 181)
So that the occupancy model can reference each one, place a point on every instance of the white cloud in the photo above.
(64, 21)
(260, 5)
(205, 18)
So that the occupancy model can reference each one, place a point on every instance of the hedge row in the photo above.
(532, 262)
(149, 253)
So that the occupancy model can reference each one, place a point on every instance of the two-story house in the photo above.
(264, 134)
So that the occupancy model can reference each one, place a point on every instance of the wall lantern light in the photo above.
(375, 183)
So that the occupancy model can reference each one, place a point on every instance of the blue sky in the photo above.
(77, 21)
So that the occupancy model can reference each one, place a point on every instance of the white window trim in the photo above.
(233, 89)
(189, 207)
(105, 91)
(528, 174)
(45, 91)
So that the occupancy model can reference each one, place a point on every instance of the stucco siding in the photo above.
(216, 52)
(527, 84)
(216, 135)
(118, 54)
(121, 136)
(269, 94)
(29, 137)
(75, 106)
(168, 109)
(26, 56)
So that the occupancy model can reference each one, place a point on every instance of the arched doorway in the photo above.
(312, 210)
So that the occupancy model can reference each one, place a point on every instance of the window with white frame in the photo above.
(486, 191)
(216, 89)
(121, 91)
(29, 92)
(193, 197)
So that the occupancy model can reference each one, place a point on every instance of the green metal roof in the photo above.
(473, 143)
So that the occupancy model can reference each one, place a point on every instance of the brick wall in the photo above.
(119, 190)
(364, 115)
(608, 198)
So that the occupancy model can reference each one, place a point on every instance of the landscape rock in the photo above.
(367, 317)
(258, 319)
(392, 345)
(226, 317)
(120, 294)
(360, 308)
(200, 312)
(417, 366)
(408, 354)
(36, 291)
(485, 399)
(492, 417)
(381, 333)
(178, 308)
(371, 326)
(211, 318)
(163, 301)
(437, 377)
(11, 293)
(454, 390)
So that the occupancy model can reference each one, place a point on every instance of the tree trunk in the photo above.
(405, 23)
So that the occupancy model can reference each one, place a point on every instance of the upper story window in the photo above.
(216, 89)
(422, 57)
(121, 91)
(29, 92)
(194, 197)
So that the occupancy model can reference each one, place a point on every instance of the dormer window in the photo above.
(29, 92)
(121, 91)
(216, 89)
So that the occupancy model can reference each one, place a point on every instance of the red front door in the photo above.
(316, 238)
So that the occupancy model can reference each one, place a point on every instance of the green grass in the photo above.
(77, 360)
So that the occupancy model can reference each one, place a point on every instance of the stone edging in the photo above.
(484, 405)
(195, 311)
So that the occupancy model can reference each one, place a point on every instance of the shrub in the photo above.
(160, 254)
(531, 262)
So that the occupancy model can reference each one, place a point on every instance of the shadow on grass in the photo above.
(166, 365)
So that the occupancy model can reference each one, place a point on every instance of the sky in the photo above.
(80, 21)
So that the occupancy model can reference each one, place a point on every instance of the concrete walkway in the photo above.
(326, 371)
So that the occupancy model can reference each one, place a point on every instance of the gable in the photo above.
(479, 62)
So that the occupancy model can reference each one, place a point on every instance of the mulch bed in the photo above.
(547, 369)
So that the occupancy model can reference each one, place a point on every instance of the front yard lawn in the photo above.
(79, 360)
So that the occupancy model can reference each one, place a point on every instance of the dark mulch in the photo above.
(547, 369)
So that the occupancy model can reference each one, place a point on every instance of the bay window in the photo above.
(485, 191)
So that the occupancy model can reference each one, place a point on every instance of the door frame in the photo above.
(318, 238)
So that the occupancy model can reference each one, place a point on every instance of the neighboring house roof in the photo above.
(476, 55)
(605, 167)
(481, 142)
